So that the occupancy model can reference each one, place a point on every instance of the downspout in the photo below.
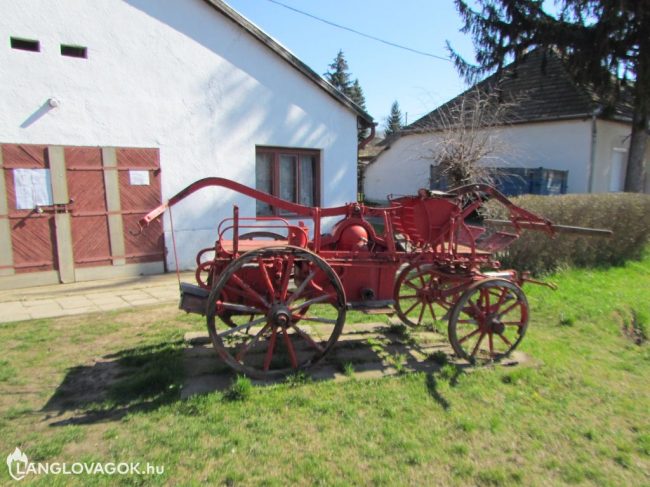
(364, 142)
(592, 156)
(361, 170)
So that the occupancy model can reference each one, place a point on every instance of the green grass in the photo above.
(577, 415)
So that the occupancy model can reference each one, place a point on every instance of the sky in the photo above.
(418, 83)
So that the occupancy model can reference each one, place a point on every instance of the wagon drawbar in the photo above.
(275, 294)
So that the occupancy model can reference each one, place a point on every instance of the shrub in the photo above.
(239, 390)
(626, 214)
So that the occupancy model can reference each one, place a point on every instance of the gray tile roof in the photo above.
(544, 91)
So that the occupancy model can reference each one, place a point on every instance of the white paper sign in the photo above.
(33, 188)
(139, 178)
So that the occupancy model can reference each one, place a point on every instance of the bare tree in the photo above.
(467, 136)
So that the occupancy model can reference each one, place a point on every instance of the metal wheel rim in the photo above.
(489, 321)
(307, 350)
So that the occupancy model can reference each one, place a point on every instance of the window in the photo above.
(25, 44)
(290, 174)
(74, 51)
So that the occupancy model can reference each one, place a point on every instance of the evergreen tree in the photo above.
(394, 120)
(338, 74)
(356, 95)
(605, 44)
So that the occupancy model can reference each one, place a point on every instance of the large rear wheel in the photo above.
(287, 306)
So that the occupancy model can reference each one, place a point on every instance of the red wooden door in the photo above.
(86, 188)
(140, 191)
(33, 237)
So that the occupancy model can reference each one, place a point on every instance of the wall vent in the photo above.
(74, 51)
(25, 44)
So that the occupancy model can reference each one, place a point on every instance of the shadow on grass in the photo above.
(147, 377)
(449, 373)
(137, 379)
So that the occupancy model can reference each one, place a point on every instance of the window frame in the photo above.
(276, 153)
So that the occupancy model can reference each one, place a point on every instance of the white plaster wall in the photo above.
(404, 168)
(612, 135)
(174, 75)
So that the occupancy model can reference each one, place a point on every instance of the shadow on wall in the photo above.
(255, 103)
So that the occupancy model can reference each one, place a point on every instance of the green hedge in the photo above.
(626, 214)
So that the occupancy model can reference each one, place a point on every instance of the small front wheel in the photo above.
(488, 321)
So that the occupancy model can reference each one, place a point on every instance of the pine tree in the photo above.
(605, 45)
(394, 120)
(356, 95)
(338, 74)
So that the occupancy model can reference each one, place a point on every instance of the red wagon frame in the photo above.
(275, 299)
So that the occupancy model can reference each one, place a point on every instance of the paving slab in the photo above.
(86, 297)
(388, 355)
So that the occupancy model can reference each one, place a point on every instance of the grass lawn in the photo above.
(578, 415)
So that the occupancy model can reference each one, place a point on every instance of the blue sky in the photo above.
(419, 83)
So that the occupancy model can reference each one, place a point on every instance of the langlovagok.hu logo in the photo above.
(19, 467)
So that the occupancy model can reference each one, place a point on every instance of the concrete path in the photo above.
(88, 297)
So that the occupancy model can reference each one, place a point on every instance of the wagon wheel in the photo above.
(489, 320)
(420, 290)
(272, 289)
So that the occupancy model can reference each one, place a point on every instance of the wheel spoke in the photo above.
(327, 321)
(265, 278)
(505, 340)
(433, 313)
(421, 313)
(411, 308)
(269, 351)
(290, 349)
(298, 292)
(491, 344)
(410, 296)
(501, 300)
(250, 290)
(509, 309)
(307, 338)
(242, 351)
(240, 308)
(248, 324)
(309, 302)
(478, 344)
(411, 285)
(284, 283)
(470, 335)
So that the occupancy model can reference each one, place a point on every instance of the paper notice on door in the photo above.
(139, 178)
(33, 188)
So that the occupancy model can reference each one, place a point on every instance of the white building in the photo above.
(119, 104)
(557, 126)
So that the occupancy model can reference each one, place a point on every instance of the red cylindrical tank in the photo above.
(354, 237)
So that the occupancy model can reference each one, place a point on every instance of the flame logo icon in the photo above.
(17, 464)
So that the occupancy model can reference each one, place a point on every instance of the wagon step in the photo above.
(193, 298)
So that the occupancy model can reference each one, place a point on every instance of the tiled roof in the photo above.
(543, 90)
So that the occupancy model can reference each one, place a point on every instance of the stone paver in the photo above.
(205, 372)
(88, 297)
